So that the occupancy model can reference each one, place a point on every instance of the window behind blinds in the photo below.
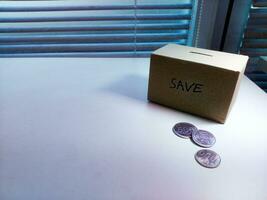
(107, 28)
(255, 41)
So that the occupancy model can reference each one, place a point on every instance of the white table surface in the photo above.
(80, 129)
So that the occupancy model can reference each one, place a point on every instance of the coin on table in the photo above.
(203, 138)
(208, 158)
(184, 130)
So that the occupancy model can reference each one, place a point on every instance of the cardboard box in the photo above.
(194, 80)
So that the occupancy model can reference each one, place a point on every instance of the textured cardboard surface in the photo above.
(201, 86)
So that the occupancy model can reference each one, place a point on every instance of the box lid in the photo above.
(229, 61)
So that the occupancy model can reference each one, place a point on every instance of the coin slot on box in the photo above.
(203, 54)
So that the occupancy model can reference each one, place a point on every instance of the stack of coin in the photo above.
(204, 157)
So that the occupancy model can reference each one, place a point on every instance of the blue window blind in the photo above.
(254, 42)
(107, 28)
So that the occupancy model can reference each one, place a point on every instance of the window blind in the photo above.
(254, 43)
(93, 29)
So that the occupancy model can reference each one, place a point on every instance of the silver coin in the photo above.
(203, 138)
(184, 130)
(208, 158)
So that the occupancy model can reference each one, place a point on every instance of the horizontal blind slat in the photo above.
(72, 38)
(87, 6)
(81, 54)
(254, 51)
(10, 28)
(258, 13)
(254, 43)
(255, 26)
(97, 18)
(257, 22)
(256, 33)
(46, 48)
(259, 3)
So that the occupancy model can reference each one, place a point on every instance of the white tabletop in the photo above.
(79, 128)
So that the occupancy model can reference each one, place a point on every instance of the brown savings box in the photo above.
(193, 80)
